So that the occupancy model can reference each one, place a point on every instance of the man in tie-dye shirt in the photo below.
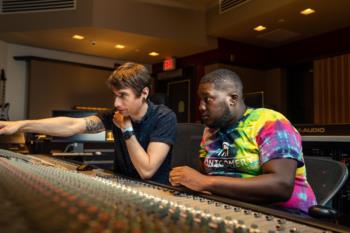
(259, 145)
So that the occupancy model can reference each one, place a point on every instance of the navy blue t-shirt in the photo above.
(157, 125)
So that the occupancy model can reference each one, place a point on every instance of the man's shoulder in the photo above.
(266, 113)
(163, 111)
(257, 118)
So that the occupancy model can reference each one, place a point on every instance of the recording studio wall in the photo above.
(62, 85)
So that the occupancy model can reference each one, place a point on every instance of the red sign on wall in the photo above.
(169, 64)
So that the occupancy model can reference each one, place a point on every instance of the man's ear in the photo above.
(233, 99)
(145, 93)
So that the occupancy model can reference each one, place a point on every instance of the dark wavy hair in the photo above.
(130, 75)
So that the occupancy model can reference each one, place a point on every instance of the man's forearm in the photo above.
(139, 158)
(58, 126)
(267, 188)
(147, 161)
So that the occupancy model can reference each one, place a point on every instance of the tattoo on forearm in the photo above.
(93, 126)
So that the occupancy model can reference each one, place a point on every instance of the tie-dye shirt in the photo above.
(258, 137)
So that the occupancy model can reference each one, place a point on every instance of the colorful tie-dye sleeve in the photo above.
(278, 139)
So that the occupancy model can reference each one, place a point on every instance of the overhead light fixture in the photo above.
(153, 54)
(307, 11)
(119, 46)
(78, 37)
(259, 28)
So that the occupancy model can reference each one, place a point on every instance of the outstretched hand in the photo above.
(189, 178)
(9, 127)
(121, 121)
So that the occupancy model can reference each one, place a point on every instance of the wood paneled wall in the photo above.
(332, 90)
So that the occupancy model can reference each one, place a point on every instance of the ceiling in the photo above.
(179, 27)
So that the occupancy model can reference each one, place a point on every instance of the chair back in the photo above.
(185, 151)
(326, 177)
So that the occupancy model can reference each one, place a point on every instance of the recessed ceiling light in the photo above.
(153, 54)
(307, 11)
(259, 28)
(78, 37)
(119, 46)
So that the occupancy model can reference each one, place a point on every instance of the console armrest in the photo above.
(319, 211)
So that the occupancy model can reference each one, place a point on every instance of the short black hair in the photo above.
(130, 75)
(223, 80)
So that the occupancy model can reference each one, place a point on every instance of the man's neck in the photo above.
(141, 113)
(241, 111)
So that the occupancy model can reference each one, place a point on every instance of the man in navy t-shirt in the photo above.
(143, 132)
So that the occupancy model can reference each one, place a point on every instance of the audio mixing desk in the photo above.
(44, 194)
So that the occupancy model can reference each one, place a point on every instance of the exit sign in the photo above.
(169, 64)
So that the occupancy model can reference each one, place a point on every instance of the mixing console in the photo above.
(42, 197)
